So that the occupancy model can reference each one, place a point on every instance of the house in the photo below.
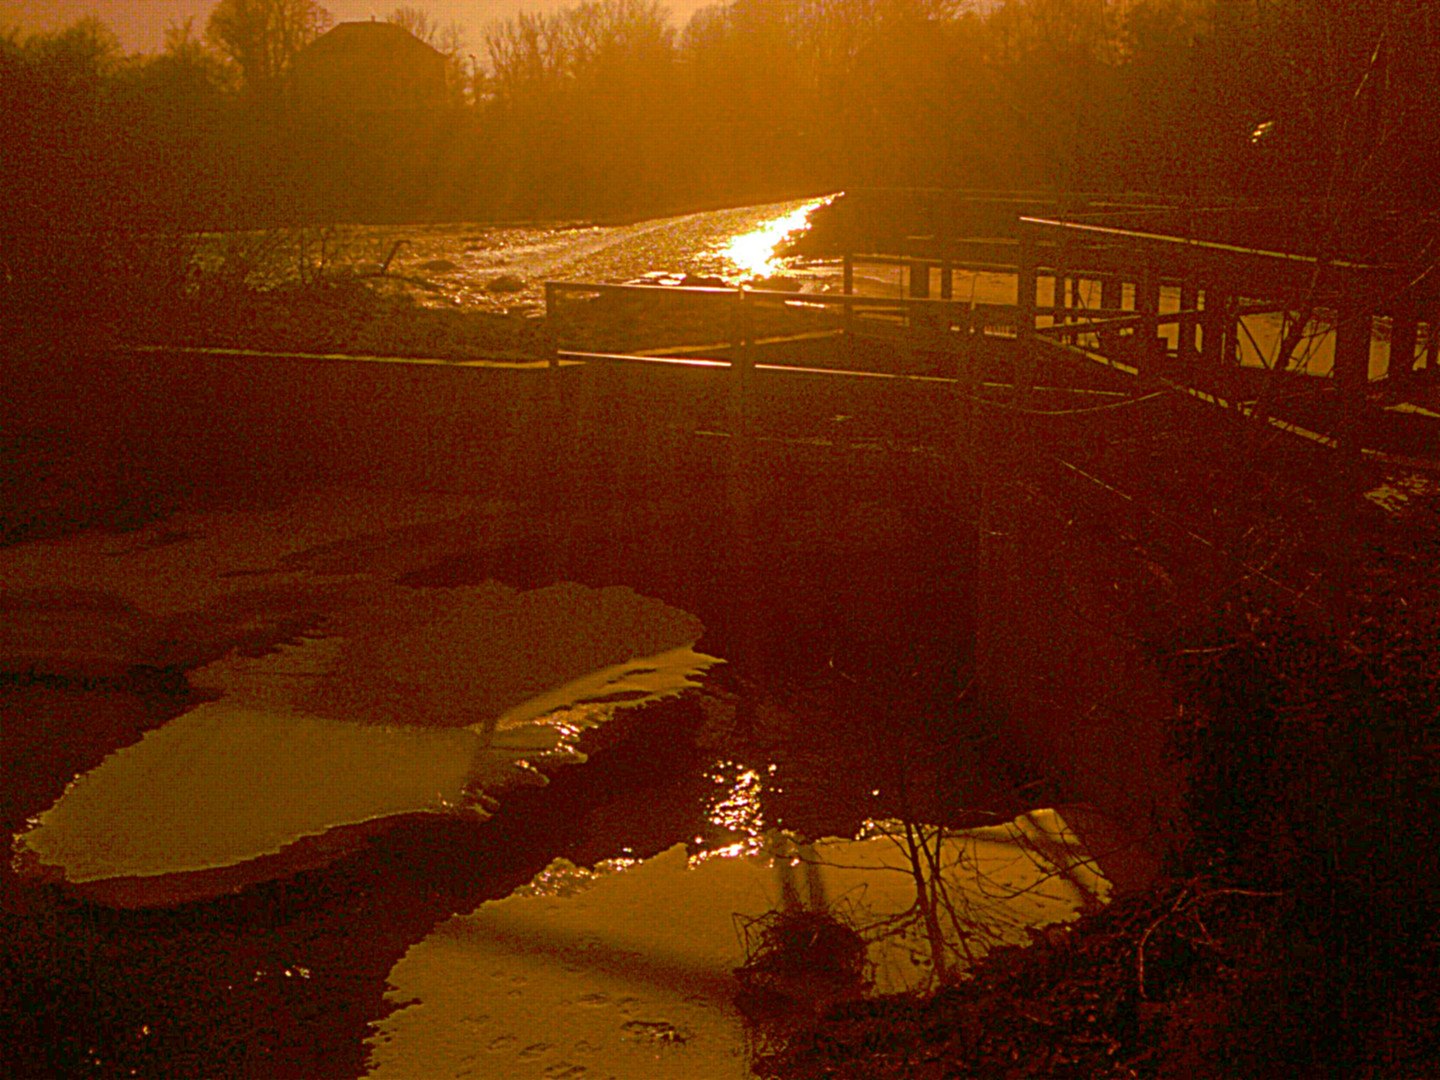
(368, 67)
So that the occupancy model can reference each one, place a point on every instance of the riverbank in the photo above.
(336, 312)
(1293, 932)
(176, 989)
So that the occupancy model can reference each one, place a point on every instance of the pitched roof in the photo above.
(367, 39)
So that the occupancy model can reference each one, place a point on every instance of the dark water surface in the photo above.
(842, 612)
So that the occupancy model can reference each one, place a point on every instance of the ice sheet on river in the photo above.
(627, 971)
(414, 701)
(175, 592)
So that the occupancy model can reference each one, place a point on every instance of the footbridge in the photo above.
(1122, 425)
(1342, 353)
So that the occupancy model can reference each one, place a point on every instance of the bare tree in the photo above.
(527, 51)
(263, 36)
(606, 31)
(448, 40)
(416, 20)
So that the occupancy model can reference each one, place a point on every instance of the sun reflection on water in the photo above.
(564, 878)
(735, 808)
(754, 253)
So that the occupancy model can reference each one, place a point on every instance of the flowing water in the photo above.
(486, 268)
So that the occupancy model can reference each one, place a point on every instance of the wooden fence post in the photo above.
(548, 423)
(552, 328)
(740, 478)
(561, 426)
(742, 361)
(967, 376)
(848, 332)
(747, 326)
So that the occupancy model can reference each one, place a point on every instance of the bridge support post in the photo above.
(1352, 374)
(921, 318)
(1147, 304)
(1025, 280)
(1353, 327)
(1404, 332)
(1186, 351)
(1217, 328)
(1112, 300)
(1431, 310)
(919, 280)
(1060, 299)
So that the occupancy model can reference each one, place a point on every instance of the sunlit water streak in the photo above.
(454, 266)
(735, 808)
(756, 254)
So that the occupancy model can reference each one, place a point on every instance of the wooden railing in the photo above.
(910, 313)
(1214, 288)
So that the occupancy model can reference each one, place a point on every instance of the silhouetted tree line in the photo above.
(606, 108)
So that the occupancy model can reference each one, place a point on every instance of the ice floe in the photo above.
(628, 970)
(415, 701)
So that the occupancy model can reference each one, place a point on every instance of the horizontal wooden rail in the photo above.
(1071, 229)
(754, 295)
(1247, 271)
(780, 369)
(1095, 326)
(841, 300)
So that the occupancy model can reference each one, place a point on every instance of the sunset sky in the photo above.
(141, 24)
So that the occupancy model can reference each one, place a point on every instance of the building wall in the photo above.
(368, 67)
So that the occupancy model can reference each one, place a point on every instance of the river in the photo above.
(466, 266)
(356, 782)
